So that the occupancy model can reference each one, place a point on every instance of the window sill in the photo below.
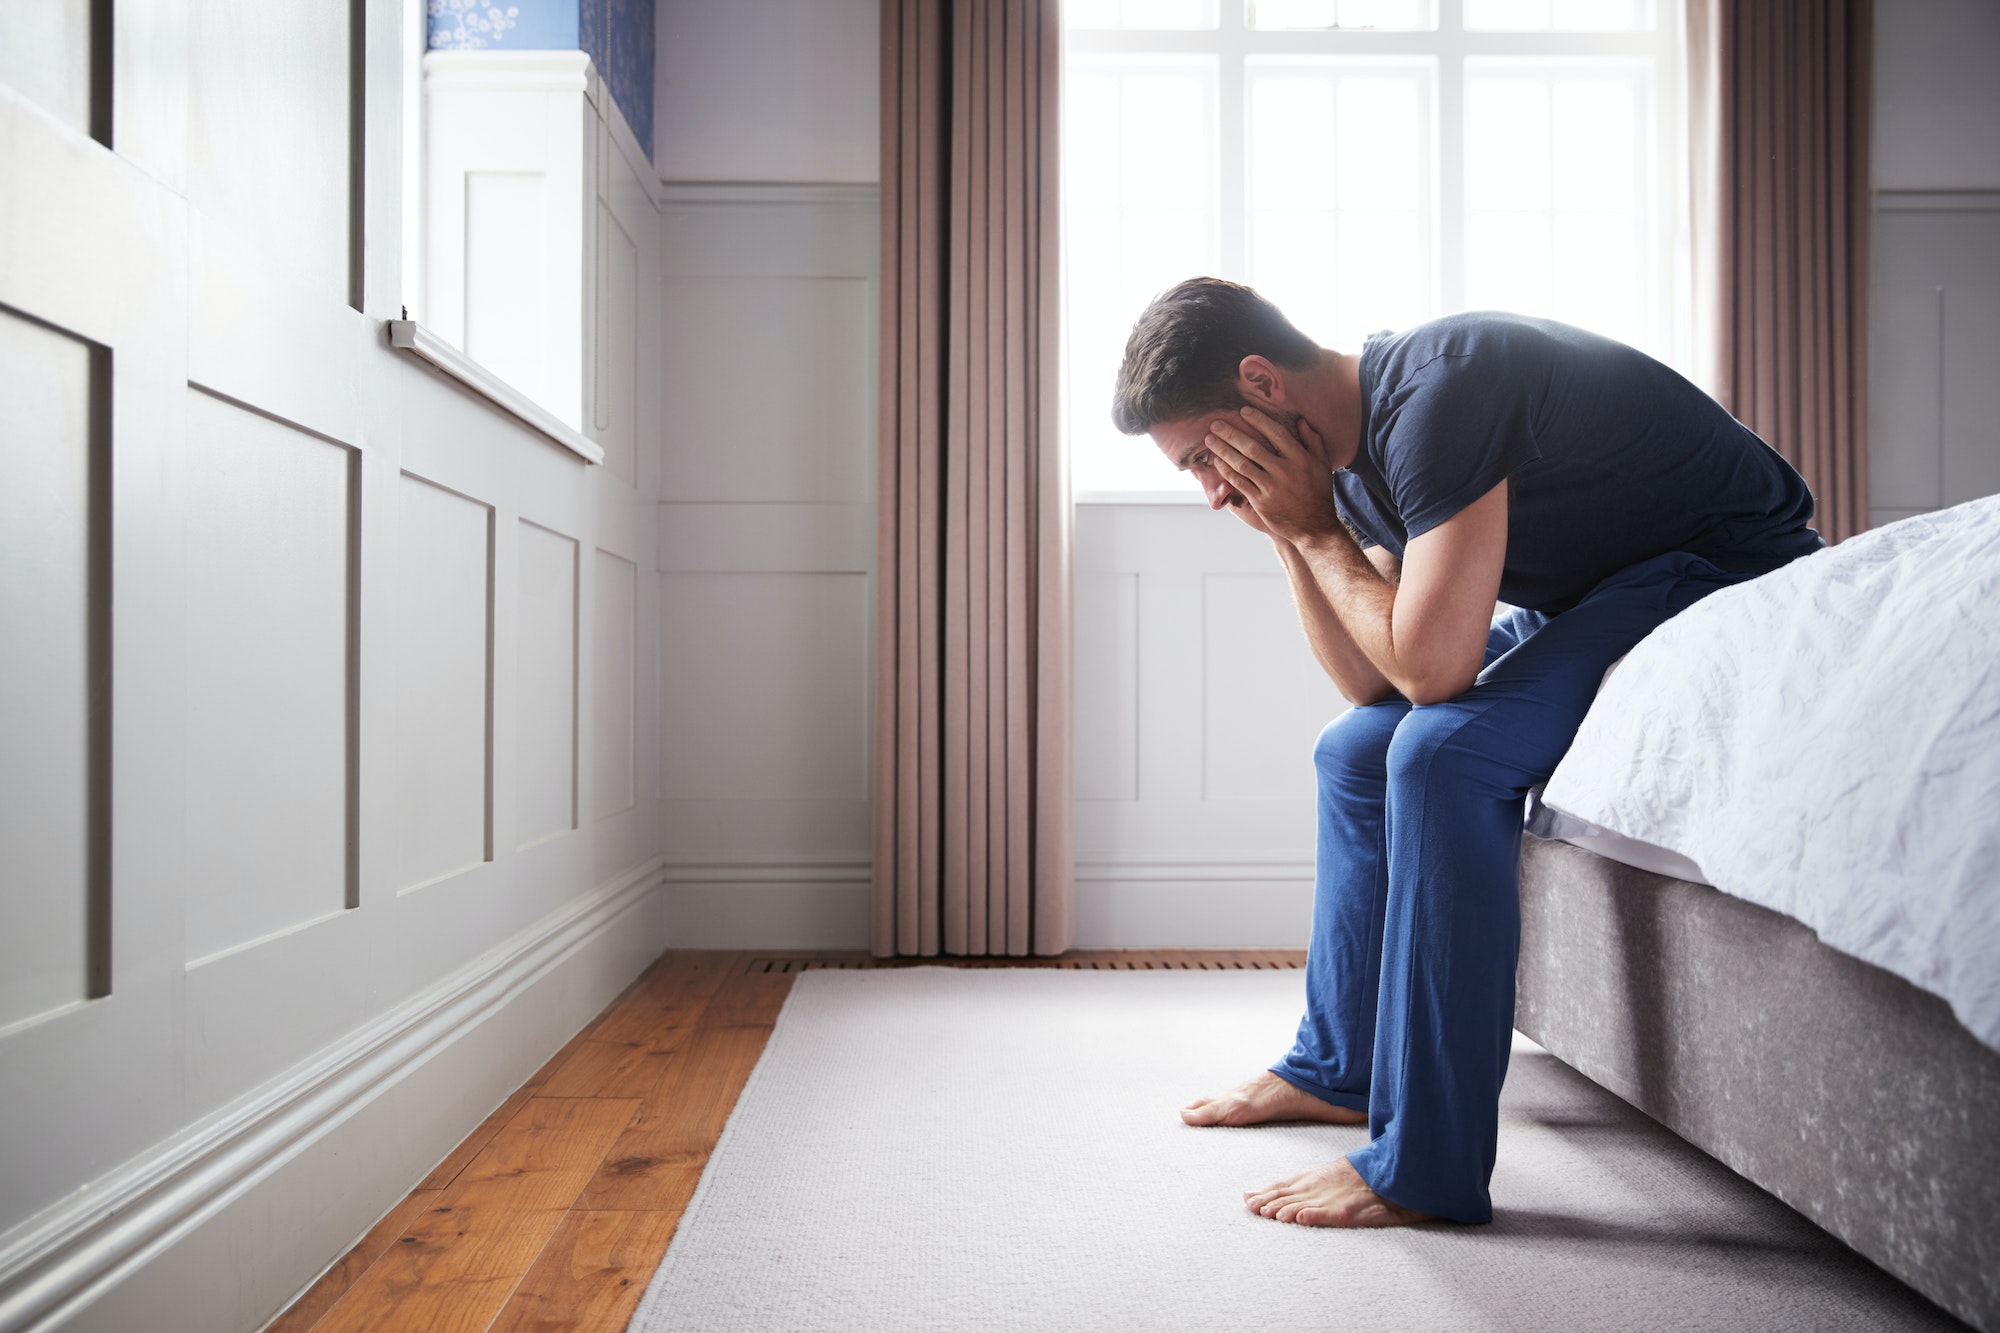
(414, 338)
(1139, 498)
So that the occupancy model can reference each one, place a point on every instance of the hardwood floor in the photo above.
(554, 1213)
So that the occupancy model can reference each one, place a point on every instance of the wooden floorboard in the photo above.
(592, 1272)
(655, 1163)
(308, 1309)
(555, 1211)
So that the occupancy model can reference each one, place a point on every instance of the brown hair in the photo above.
(1183, 353)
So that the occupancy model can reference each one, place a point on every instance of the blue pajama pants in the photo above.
(1416, 909)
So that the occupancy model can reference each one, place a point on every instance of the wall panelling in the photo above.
(765, 554)
(52, 658)
(257, 565)
(444, 658)
(545, 683)
(270, 601)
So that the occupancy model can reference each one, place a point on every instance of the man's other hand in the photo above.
(1284, 480)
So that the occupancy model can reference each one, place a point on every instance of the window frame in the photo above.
(1448, 45)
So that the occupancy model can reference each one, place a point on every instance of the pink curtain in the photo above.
(972, 725)
(1779, 121)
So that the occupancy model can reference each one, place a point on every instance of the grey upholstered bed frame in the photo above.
(1842, 1089)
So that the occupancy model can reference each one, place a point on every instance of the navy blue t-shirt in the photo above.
(1614, 458)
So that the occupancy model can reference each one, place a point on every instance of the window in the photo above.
(1367, 164)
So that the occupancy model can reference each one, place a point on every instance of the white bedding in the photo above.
(1825, 741)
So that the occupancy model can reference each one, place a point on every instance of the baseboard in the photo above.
(768, 904)
(203, 1233)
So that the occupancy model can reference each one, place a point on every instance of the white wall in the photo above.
(766, 547)
(767, 515)
(329, 797)
(767, 90)
(1937, 103)
(1934, 412)
(1194, 818)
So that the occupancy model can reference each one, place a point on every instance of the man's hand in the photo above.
(1284, 480)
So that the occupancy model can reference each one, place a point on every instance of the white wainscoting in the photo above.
(1934, 346)
(330, 793)
(766, 546)
(1197, 701)
(1197, 707)
(49, 382)
(270, 610)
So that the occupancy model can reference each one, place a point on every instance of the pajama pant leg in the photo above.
(1458, 774)
(1335, 1048)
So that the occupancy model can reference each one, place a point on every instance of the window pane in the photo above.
(1291, 142)
(1381, 279)
(1090, 142)
(1596, 285)
(1139, 208)
(1294, 266)
(1507, 15)
(1379, 130)
(1559, 166)
(1600, 15)
(1139, 14)
(1090, 13)
(1340, 193)
(1594, 145)
(1294, 13)
(1561, 15)
(1506, 143)
(1507, 262)
(1387, 15)
(1162, 117)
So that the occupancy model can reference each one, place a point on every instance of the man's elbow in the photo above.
(1362, 698)
(1438, 686)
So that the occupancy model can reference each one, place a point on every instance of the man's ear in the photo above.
(1260, 382)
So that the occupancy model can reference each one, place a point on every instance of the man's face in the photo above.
(1182, 443)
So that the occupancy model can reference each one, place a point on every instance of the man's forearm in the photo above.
(1353, 673)
(1363, 605)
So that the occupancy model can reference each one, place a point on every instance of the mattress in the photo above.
(1823, 741)
(1561, 826)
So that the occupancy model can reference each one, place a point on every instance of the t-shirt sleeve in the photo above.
(1347, 500)
(1461, 425)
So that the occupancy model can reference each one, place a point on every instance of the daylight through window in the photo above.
(1367, 164)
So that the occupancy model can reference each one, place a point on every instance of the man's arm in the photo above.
(1425, 635)
(1353, 674)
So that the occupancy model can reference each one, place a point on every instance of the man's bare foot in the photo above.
(1264, 1099)
(1333, 1195)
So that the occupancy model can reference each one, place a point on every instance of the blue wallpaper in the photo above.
(617, 34)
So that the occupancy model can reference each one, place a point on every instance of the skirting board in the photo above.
(216, 1228)
(800, 905)
(1119, 905)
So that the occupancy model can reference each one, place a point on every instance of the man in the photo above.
(1477, 458)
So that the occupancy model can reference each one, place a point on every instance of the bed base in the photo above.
(1852, 1095)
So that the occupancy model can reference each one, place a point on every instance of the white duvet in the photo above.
(1825, 741)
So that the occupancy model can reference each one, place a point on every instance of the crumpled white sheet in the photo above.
(1825, 741)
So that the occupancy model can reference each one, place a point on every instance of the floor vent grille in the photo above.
(1261, 962)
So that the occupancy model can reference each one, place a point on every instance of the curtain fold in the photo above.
(972, 743)
(1778, 117)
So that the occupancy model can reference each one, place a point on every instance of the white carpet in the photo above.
(938, 1148)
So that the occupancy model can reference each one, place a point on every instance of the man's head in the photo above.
(1206, 348)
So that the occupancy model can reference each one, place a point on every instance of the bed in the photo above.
(1760, 897)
